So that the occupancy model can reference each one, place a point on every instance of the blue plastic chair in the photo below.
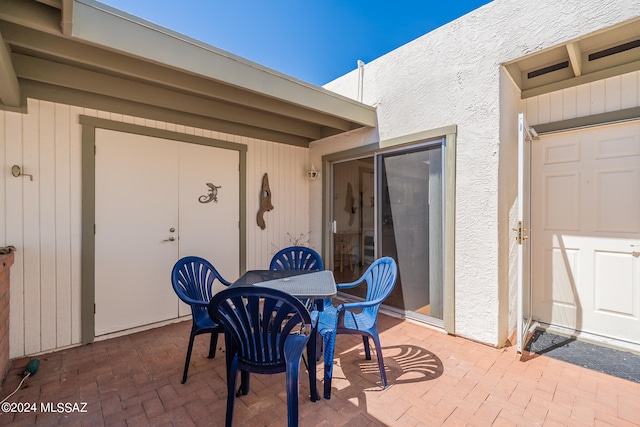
(266, 332)
(380, 278)
(193, 279)
(296, 258)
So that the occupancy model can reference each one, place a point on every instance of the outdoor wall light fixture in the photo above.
(313, 172)
(17, 171)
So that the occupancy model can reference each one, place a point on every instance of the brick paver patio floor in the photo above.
(435, 379)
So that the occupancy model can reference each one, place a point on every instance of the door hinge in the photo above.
(520, 237)
(94, 229)
(94, 309)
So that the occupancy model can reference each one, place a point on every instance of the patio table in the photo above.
(311, 285)
(299, 283)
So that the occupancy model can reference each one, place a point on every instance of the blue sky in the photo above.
(312, 40)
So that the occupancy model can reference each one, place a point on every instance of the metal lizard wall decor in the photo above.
(212, 195)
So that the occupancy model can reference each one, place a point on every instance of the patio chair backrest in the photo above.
(261, 321)
(266, 332)
(380, 278)
(193, 279)
(296, 258)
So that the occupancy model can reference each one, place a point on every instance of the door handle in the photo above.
(170, 239)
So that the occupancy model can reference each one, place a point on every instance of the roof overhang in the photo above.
(607, 53)
(84, 52)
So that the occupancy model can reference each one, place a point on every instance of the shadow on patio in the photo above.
(434, 379)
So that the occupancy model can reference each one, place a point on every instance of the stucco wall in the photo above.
(452, 76)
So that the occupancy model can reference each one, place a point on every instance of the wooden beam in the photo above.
(100, 25)
(40, 70)
(575, 58)
(585, 78)
(9, 86)
(96, 58)
(31, 14)
(62, 95)
(67, 17)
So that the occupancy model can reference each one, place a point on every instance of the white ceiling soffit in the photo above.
(88, 47)
(604, 54)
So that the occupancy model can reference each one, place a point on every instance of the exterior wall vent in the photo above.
(547, 70)
(613, 50)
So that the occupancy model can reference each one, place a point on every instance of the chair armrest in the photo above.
(343, 308)
(348, 285)
(190, 301)
(359, 304)
(223, 281)
(294, 345)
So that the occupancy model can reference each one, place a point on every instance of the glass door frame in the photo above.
(378, 159)
(328, 254)
(404, 142)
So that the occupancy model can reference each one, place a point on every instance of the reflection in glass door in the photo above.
(410, 220)
(353, 213)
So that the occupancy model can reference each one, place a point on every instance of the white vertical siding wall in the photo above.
(602, 96)
(287, 170)
(42, 218)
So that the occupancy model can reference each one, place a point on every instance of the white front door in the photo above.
(148, 214)
(586, 224)
(210, 230)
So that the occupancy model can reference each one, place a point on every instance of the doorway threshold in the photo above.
(602, 359)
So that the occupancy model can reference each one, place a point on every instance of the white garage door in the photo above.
(586, 230)
(149, 214)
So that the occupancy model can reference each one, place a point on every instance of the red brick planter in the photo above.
(6, 260)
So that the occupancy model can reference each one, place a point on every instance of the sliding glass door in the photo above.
(391, 203)
(410, 227)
